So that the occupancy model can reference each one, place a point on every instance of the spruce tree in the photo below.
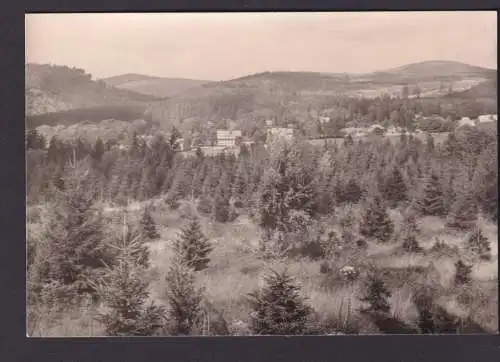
(278, 309)
(395, 190)
(376, 295)
(148, 225)
(98, 150)
(75, 246)
(193, 247)
(123, 290)
(431, 201)
(463, 215)
(462, 273)
(376, 222)
(410, 243)
(183, 297)
(479, 244)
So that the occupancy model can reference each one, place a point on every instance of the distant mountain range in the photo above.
(172, 100)
(154, 86)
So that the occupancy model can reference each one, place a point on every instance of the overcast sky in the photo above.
(219, 46)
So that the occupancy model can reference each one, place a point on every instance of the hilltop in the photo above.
(154, 86)
(52, 88)
(272, 94)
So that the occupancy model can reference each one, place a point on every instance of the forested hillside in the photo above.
(369, 237)
(155, 86)
(52, 88)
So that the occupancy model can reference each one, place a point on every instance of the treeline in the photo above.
(465, 163)
(94, 114)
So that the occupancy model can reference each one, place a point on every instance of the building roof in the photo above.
(228, 134)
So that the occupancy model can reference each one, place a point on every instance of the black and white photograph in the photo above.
(261, 173)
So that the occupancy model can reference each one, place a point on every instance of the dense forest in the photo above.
(326, 208)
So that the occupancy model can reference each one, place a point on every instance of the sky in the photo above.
(221, 46)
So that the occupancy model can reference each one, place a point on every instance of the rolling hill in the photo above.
(50, 88)
(268, 93)
(433, 70)
(154, 86)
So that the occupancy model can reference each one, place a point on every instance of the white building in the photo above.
(279, 132)
(228, 138)
(323, 119)
(485, 118)
(466, 121)
(179, 144)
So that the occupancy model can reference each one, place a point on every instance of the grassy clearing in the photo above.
(237, 268)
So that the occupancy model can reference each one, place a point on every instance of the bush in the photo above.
(148, 225)
(462, 273)
(376, 295)
(479, 244)
(376, 221)
(410, 244)
(278, 308)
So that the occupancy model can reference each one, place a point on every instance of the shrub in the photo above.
(479, 244)
(462, 273)
(376, 221)
(410, 244)
(278, 308)
(148, 225)
(463, 214)
(376, 295)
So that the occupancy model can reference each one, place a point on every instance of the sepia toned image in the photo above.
(245, 174)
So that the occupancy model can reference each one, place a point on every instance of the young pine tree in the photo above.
(148, 225)
(123, 289)
(74, 240)
(463, 215)
(410, 243)
(183, 298)
(278, 308)
(479, 244)
(193, 247)
(376, 222)
(376, 295)
(462, 273)
(431, 202)
(395, 190)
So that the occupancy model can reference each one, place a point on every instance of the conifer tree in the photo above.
(183, 297)
(221, 200)
(376, 295)
(410, 243)
(431, 201)
(395, 190)
(98, 150)
(278, 309)
(462, 273)
(148, 225)
(123, 289)
(193, 247)
(463, 215)
(75, 247)
(479, 244)
(376, 222)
